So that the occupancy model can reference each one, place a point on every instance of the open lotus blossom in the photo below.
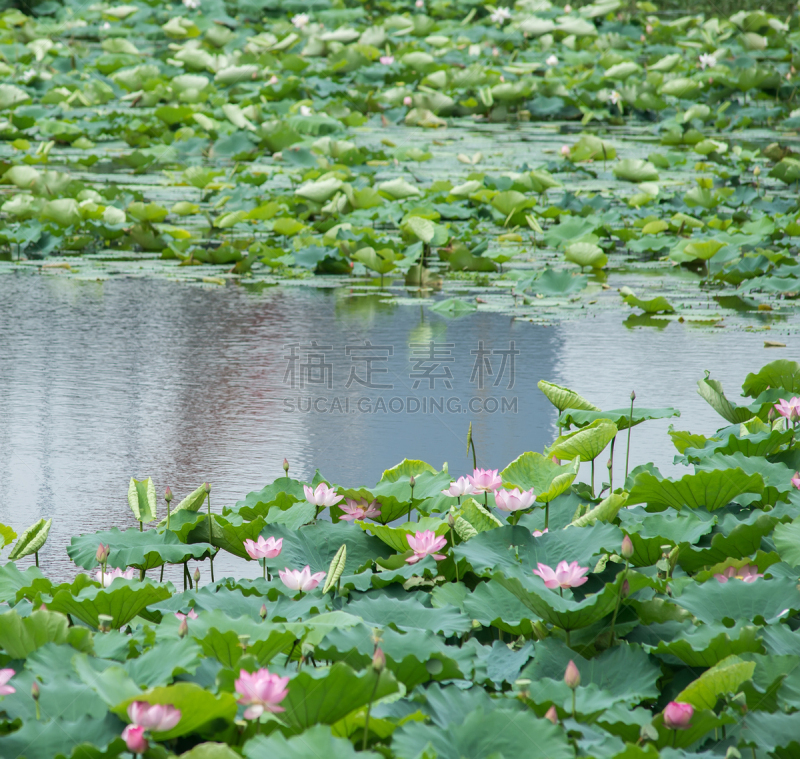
(615, 98)
(360, 509)
(322, 495)
(273, 79)
(747, 573)
(301, 579)
(191, 615)
(192, 5)
(133, 735)
(157, 718)
(539, 533)
(267, 548)
(305, 111)
(500, 15)
(420, 4)
(789, 409)
(796, 480)
(107, 577)
(677, 716)
(514, 499)
(485, 480)
(552, 61)
(5, 676)
(707, 61)
(462, 486)
(261, 692)
(300, 20)
(564, 576)
(387, 60)
(425, 544)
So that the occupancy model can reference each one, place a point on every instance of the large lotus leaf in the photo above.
(12, 580)
(563, 398)
(623, 674)
(61, 739)
(651, 531)
(477, 515)
(503, 732)
(699, 645)
(407, 653)
(591, 148)
(142, 499)
(768, 732)
(258, 502)
(493, 605)
(621, 417)
(409, 613)
(20, 636)
(324, 696)
(122, 601)
(711, 392)
(777, 477)
(709, 490)
(405, 469)
(723, 678)
(587, 442)
(316, 545)
(191, 502)
(197, 705)
(31, 540)
(586, 254)
(227, 533)
(759, 444)
(782, 374)
(703, 723)
(397, 537)
(605, 511)
(317, 741)
(787, 541)
(558, 283)
(163, 662)
(716, 602)
(548, 479)
(7, 535)
(211, 750)
(557, 610)
(635, 170)
(132, 548)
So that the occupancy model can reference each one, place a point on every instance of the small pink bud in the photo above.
(168, 494)
(35, 691)
(625, 590)
(565, 150)
(572, 677)
(412, 481)
(379, 660)
(552, 715)
(196, 575)
(206, 487)
(407, 100)
(133, 735)
(183, 630)
(286, 466)
(649, 29)
(677, 715)
(263, 612)
(627, 547)
(102, 553)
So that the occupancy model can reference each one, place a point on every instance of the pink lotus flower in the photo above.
(158, 718)
(191, 615)
(387, 60)
(514, 499)
(789, 409)
(485, 480)
(677, 716)
(747, 573)
(107, 577)
(564, 576)
(359, 510)
(263, 549)
(261, 692)
(539, 533)
(565, 151)
(407, 100)
(425, 544)
(462, 486)
(5, 676)
(796, 480)
(133, 735)
(273, 79)
(301, 579)
(322, 496)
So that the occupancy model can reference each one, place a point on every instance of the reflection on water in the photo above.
(103, 381)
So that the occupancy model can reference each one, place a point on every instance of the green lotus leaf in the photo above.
(21, 636)
(336, 568)
(655, 305)
(605, 511)
(558, 283)
(197, 705)
(142, 499)
(398, 189)
(132, 548)
(782, 374)
(591, 148)
(770, 731)
(409, 613)
(532, 470)
(574, 417)
(703, 490)
(211, 750)
(563, 398)
(635, 170)
(724, 677)
(64, 738)
(32, 540)
(316, 741)
(587, 443)
(651, 531)
(700, 645)
(454, 307)
(493, 605)
(12, 580)
(476, 515)
(776, 475)
(586, 254)
(711, 391)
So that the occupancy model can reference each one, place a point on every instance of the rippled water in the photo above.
(101, 381)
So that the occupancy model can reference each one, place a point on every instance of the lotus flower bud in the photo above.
(286, 467)
(183, 630)
(407, 100)
(206, 487)
(572, 677)
(552, 715)
(633, 395)
(196, 575)
(102, 553)
(263, 612)
(451, 521)
(627, 547)
(168, 494)
(412, 481)
(244, 639)
(625, 590)
(379, 660)
(35, 691)
(565, 150)
(757, 171)
(677, 715)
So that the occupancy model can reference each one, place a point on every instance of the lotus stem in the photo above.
(141, 526)
(161, 577)
(573, 697)
(452, 546)
(611, 467)
(592, 478)
(212, 567)
(264, 568)
(630, 424)
(36, 555)
(547, 515)
(369, 708)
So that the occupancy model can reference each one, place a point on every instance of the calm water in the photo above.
(101, 381)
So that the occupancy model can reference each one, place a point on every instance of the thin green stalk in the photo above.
(592, 478)
(611, 467)
(573, 703)
(369, 708)
(630, 424)
(547, 515)
(452, 545)
(264, 568)
(36, 555)
(619, 598)
(141, 526)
